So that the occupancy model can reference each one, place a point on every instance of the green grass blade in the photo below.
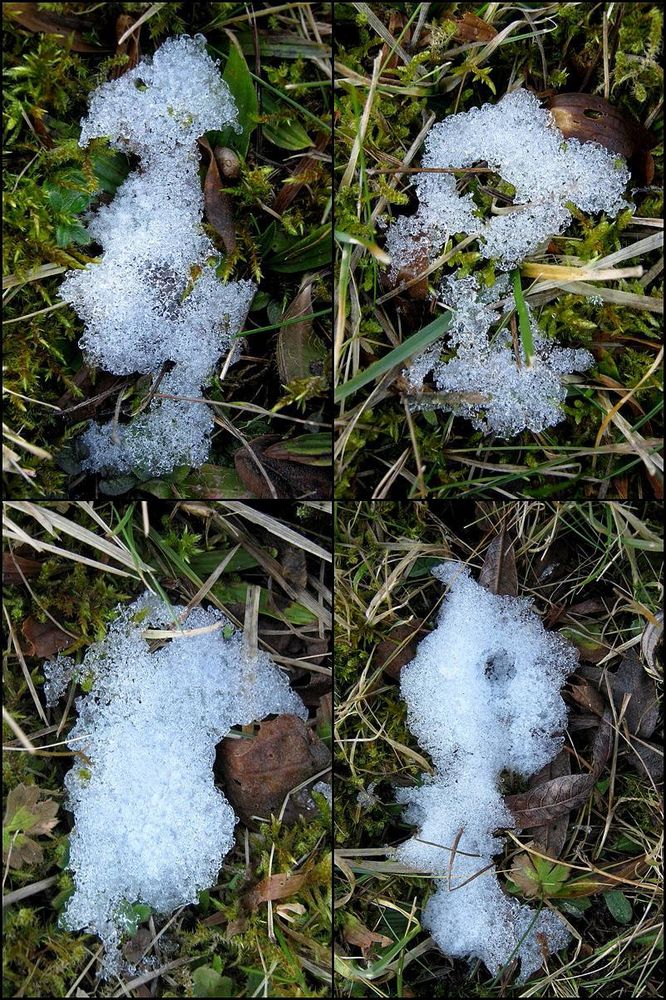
(523, 319)
(413, 345)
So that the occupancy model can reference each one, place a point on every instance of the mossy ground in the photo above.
(429, 70)
(384, 551)
(282, 953)
(280, 384)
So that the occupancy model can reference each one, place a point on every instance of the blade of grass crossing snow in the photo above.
(523, 320)
(415, 344)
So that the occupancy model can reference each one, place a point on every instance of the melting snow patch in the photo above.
(483, 381)
(483, 695)
(150, 826)
(153, 296)
(518, 139)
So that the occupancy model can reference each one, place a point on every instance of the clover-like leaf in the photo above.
(26, 813)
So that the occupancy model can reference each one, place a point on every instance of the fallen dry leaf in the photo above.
(17, 568)
(358, 935)
(274, 887)
(550, 837)
(294, 566)
(306, 170)
(259, 772)
(291, 479)
(542, 804)
(470, 28)
(642, 710)
(652, 639)
(498, 573)
(217, 203)
(63, 25)
(390, 657)
(134, 948)
(44, 639)
(130, 47)
(299, 352)
(584, 694)
(591, 118)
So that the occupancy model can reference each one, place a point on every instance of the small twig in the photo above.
(28, 890)
(166, 367)
(431, 170)
(454, 848)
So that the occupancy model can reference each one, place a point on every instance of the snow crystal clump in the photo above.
(483, 695)
(150, 826)
(518, 139)
(485, 382)
(153, 297)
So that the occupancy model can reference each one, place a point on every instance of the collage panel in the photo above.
(498, 748)
(167, 250)
(499, 237)
(167, 727)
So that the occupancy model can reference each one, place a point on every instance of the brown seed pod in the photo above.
(228, 163)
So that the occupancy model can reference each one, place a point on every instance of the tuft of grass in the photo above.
(567, 553)
(400, 68)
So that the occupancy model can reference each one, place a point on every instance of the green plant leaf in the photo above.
(308, 253)
(283, 129)
(239, 80)
(209, 983)
(413, 345)
(618, 906)
(133, 914)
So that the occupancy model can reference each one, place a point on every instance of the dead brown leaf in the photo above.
(306, 170)
(44, 639)
(550, 837)
(630, 681)
(17, 568)
(390, 657)
(274, 887)
(135, 947)
(358, 935)
(217, 203)
(290, 478)
(294, 566)
(498, 573)
(299, 352)
(584, 694)
(130, 47)
(652, 639)
(540, 805)
(591, 118)
(259, 772)
(470, 28)
(65, 26)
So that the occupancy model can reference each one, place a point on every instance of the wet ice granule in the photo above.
(153, 296)
(485, 381)
(483, 696)
(519, 140)
(150, 825)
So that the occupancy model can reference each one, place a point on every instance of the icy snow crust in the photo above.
(518, 139)
(486, 384)
(153, 296)
(150, 825)
(483, 695)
